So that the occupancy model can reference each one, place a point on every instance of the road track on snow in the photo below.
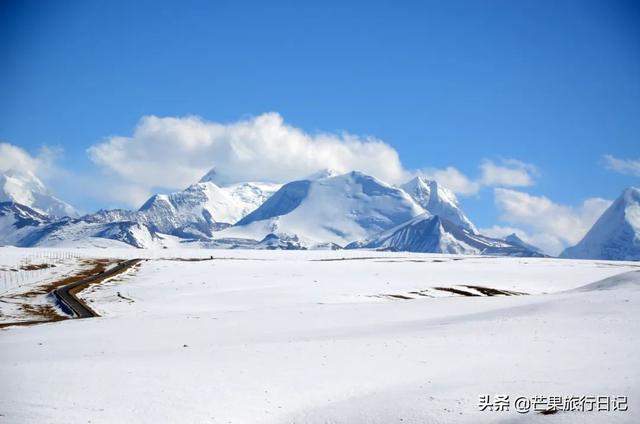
(66, 295)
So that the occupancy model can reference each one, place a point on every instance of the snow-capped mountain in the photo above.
(434, 234)
(246, 196)
(249, 196)
(438, 200)
(194, 213)
(70, 232)
(333, 209)
(25, 188)
(615, 235)
(18, 221)
(323, 173)
(25, 227)
(199, 210)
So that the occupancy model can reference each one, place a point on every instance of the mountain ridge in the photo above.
(438, 200)
(435, 234)
(325, 211)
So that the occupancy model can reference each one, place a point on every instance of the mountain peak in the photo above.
(631, 195)
(438, 200)
(517, 241)
(337, 209)
(323, 173)
(616, 234)
(209, 177)
(22, 186)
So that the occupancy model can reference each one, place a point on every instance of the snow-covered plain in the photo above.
(328, 337)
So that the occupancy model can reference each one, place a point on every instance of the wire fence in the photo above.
(33, 267)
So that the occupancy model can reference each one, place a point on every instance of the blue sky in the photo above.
(555, 84)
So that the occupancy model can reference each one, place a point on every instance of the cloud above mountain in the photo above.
(551, 225)
(453, 179)
(504, 173)
(16, 158)
(175, 152)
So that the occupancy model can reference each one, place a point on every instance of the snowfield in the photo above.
(328, 337)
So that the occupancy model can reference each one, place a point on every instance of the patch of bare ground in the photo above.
(456, 291)
(479, 291)
(398, 296)
(46, 312)
(35, 267)
(488, 291)
(33, 313)
(90, 267)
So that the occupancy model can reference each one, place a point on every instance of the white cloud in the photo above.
(499, 231)
(546, 242)
(171, 153)
(509, 173)
(559, 225)
(623, 166)
(175, 152)
(452, 179)
(16, 158)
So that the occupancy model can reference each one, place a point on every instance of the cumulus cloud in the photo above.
(452, 179)
(175, 152)
(506, 173)
(560, 225)
(171, 153)
(623, 166)
(546, 242)
(16, 158)
(509, 173)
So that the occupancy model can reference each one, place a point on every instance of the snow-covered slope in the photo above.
(438, 200)
(203, 208)
(197, 211)
(616, 234)
(629, 280)
(25, 188)
(246, 196)
(249, 196)
(18, 221)
(323, 173)
(263, 337)
(434, 234)
(26, 227)
(335, 209)
(70, 232)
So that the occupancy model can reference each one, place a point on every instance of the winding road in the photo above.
(66, 295)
